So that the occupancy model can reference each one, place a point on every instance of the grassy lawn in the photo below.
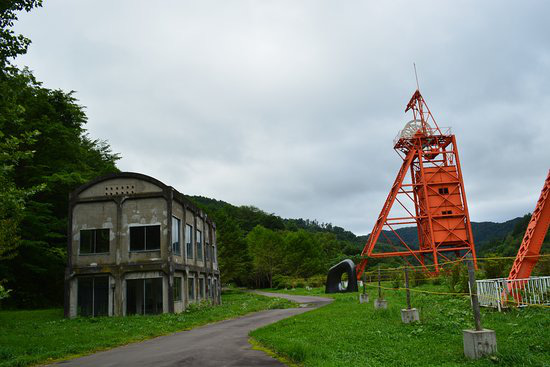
(30, 337)
(346, 333)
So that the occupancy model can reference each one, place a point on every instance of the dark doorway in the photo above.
(144, 296)
(93, 296)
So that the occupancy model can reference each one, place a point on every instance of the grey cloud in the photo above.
(293, 106)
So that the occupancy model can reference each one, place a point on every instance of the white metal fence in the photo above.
(501, 292)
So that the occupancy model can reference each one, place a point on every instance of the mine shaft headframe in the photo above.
(429, 192)
(421, 112)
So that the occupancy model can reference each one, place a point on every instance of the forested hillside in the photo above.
(257, 247)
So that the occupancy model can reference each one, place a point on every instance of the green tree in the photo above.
(304, 256)
(12, 44)
(234, 260)
(266, 250)
(45, 153)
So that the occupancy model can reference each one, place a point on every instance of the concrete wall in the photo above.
(120, 186)
(118, 203)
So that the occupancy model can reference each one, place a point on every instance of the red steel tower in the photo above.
(428, 192)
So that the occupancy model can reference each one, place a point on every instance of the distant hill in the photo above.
(484, 232)
(248, 217)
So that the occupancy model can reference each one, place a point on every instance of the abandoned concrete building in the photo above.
(137, 246)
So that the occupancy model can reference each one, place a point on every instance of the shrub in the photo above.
(316, 281)
(281, 282)
(396, 280)
(417, 278)
(4, 293)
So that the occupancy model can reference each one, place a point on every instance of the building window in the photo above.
(443, 190)
(144, 296)
(177, 289)
(209, 287)
(444, 212)
(201, 287)
(144, 238)
(189, 240)
(199, 245)
(93, 296)
(207, 251)
(94, 241)
(214, 254)
(191, 288)
(176, 236)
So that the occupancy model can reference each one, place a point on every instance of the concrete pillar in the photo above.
(363, 298)
(479, 343)
(409, 315)
(380, 304)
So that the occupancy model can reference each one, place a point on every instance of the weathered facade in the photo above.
(137, 246)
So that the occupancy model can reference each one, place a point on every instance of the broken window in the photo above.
(177, 289)
(191, 288)
(176, 248)
(93, 296)
(199, 245)
(189, 240)
(144, 296)
(443, 190)
(94, 241)
(144, 238)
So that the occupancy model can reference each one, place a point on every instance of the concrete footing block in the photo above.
(380, 303)
(363, 298)
(409, 315)
(479, 343)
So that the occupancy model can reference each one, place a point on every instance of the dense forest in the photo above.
(45, 153)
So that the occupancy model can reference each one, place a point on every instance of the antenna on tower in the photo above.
(416, 76)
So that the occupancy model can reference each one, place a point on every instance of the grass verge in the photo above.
(346, 333)
(42, 336)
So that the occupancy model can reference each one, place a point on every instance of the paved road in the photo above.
(224, 343)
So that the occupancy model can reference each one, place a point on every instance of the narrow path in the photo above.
(224, 343)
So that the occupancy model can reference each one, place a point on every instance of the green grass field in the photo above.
(346, 333)
(30, 337)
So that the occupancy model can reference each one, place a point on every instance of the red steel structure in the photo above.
(429, 192)
(529, 250)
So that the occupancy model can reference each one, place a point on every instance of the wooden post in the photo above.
(379, 285)
(407, 287)
(473, 294)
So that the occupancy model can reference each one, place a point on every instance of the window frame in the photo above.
(145, 249)
(191, 288)
(202, 289)
(198, 238)
(94, 252)
(178, 221)
(94, 291)
(189, 252)
(178, 294)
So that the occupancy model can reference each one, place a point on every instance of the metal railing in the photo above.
(502, 292)
(446, 131)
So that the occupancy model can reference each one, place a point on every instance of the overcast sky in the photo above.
(292, 106)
